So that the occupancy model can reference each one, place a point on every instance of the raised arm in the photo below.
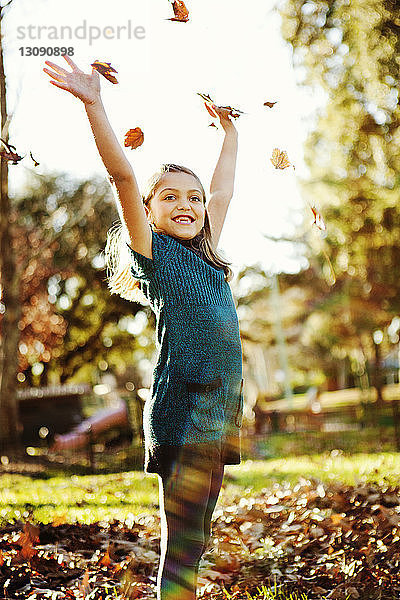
(222, 183)
(129, 203)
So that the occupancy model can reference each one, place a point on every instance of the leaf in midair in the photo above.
(233, 112)
(105, 69)
(210, 110)
(10, 153)
(269, 104)
(180, 11)
(318, 220)
(211, 106)
(134, 138)
(280, 159)
(35, 162)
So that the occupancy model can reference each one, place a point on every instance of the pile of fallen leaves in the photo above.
(324, 541)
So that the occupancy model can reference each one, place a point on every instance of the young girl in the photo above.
(193, 415)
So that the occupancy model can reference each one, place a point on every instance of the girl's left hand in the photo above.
(223, 114)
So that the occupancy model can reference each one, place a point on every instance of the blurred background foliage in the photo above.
(350, 49)
(72, 328)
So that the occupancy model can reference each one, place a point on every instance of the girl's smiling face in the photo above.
(177, 206)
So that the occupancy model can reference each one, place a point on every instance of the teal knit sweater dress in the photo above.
(196, 395)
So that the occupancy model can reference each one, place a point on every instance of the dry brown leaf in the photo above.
(180, 11)
(134, 138)
(105, 69)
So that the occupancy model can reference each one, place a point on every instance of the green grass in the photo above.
(91, 498)
(367, 440)
(274, 593)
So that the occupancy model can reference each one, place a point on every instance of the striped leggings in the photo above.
(187, 497)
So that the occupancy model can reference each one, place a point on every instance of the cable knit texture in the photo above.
(196, 395)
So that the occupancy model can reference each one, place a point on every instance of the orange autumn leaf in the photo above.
(26, 539)
(105, 560)
(336, 518)
(269, 104)
(280, 159)
(180, 11)
(32, 532)
(211, 106)
(210, 110)
(134, 138)
(105, 69)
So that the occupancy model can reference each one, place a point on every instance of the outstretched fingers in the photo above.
(56, 67)
(54, 75)
(71, 63)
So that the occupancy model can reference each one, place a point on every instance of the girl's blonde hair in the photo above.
(120, 279)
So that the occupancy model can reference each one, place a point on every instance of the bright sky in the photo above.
(236, 56)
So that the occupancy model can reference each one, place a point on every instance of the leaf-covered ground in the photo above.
(323, 539)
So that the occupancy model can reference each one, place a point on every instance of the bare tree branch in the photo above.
(3, 7)
(293, 240)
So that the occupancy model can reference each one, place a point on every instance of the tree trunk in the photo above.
(10, 292)
(378, 378)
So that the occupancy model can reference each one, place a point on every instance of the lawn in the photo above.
(91, 498)
(307, 527)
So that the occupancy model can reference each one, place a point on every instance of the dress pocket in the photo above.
(206, 404)
(239, 412)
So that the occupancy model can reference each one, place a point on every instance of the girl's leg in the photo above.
(217, 476)
(185, 510)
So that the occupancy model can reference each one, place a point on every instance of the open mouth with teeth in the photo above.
(183, 219)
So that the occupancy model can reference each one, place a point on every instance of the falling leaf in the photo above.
(210, 110)
(180, 11)
(34, 160)
(318, 220)
(233, 112)
(205, 97)
(280, 159)
(270, 104)
(134, 138)
(211, 106)
(10, 153)
(105, 69)
(213, 125)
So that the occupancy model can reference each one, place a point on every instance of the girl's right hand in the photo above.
(79, 84)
